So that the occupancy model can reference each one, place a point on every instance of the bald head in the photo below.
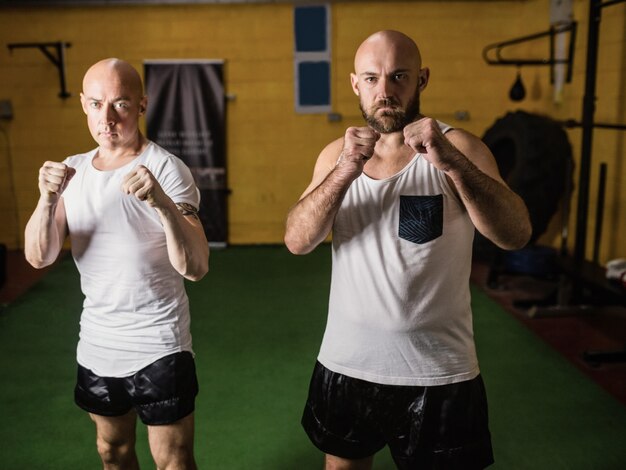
(113, 101)
(388, 43)
(388, 79)
(114, 71)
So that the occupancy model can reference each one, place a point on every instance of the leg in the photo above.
(333, 462)
(443, 426)
(341, 419)
(172, 444)
(115, 438)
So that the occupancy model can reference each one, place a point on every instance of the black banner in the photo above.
(186, 116)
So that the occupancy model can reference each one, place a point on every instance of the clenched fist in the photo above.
(425, 136)
(53, 179)
(358, 147)
(143, 185)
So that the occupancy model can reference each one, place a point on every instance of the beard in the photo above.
(394, 119)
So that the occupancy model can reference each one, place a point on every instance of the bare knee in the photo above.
(115, 440)
(174, 456)
(116, 453)
(172, 444)
(337, 463)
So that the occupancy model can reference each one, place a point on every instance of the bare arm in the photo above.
(187, 246)
(496, 211)
(309, 222)
(46, 229)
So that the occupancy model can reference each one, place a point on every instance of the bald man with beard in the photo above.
(402, 197)
(130, 209)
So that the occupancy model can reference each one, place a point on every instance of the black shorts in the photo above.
(161, 393)
(438, 427)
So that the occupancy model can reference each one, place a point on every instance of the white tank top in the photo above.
(399, 309)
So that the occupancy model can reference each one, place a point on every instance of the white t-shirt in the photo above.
(399, 308)
(136, 309)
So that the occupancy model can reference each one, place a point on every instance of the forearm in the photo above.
(42, 238)
(187, 246)
(497, 212)
(310, 221)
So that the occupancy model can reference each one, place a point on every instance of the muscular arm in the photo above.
(46, 229)
(45, 233)
(309, 222)
(187, 246)
(496, 211)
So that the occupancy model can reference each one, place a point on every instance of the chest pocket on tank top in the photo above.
(421, 218)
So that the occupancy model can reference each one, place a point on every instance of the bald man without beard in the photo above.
(402, 197)
(130, 210)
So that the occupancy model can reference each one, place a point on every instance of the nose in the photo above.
(385, 87)
(108, 115)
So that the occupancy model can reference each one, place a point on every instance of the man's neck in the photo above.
(390, 156)
(390, 143)
(393, 142)
(108, 158)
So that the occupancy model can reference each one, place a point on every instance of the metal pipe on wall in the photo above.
(595, 15)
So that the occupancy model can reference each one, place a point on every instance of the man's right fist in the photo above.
(359, 143)
(53, 179)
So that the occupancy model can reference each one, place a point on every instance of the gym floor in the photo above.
(258, 318)
(572, 336)
(20, 277)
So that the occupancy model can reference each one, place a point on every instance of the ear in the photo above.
(143, 105)
(83, 102)
(354, 80)
(424, 76)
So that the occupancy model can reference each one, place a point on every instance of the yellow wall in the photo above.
(271, 150)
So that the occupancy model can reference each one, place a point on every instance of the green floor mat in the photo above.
(257, 322)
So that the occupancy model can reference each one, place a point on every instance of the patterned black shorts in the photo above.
(438, 427)
(161, 393)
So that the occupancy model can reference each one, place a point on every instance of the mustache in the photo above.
(386, 103)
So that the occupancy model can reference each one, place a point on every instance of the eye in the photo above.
(370, 79)
(121, 105)
(94, 104)
(399, 76)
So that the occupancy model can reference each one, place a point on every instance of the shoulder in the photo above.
(466, 141)
(326, 162)
(157, 154)
(157, 159)
(330, 154)
(172, 173)
(475, 150)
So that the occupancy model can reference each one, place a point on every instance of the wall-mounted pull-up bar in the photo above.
(572, 123)
(492, 53)
(55, 52)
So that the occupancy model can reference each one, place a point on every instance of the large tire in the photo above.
(535, 159)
